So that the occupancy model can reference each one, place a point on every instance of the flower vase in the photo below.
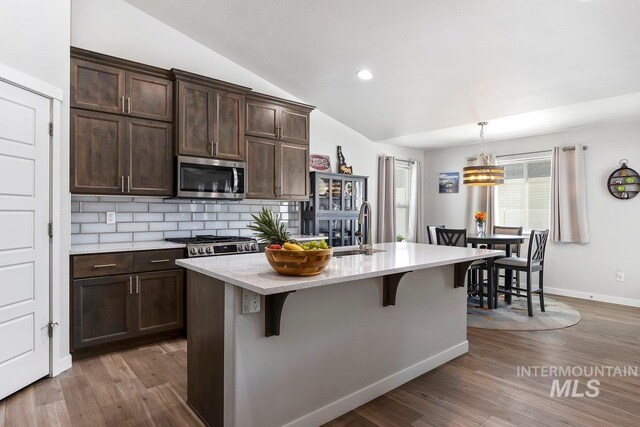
(481, 231)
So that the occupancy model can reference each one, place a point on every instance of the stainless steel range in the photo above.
(217, 245)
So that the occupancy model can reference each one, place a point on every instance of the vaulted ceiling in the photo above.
(437, 64)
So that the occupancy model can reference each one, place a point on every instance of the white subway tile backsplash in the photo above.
(148, 237)
(222, 216)
(239, 208)
(84, 239)
(133, 226)
(97, 228)
(124, 217)
(162, 207)
(84, 217)
(97, 207)
(116, 237)
(238, 224)
(191, 225)
(176, 234)
(133, 207)
(191, 208)
(182, 216)
(163, 226)
(148, 218)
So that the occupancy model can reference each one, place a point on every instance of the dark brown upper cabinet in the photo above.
(277, 170)
(113, 85)
(210, 117)
(275, 118)
(111, 154)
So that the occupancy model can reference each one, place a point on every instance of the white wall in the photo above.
(116, 28)
(36, 38)
(587, 270)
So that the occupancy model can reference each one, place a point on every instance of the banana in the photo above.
(292, 247)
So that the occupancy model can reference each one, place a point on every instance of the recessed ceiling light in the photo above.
(364, 75)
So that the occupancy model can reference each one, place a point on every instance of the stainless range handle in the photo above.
(137, 284)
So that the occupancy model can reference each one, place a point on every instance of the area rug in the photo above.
(514, 317)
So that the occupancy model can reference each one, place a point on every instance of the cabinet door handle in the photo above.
(128, 183)
(123, 112)
(122, 182)
(104, 265)
(211, 147)
(137, 284)
(159, 260)
(130, 285)
(128, 105)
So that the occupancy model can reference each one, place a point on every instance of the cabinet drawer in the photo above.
(156, 260)
(102, 264)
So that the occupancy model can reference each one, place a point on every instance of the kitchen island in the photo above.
(362, 327)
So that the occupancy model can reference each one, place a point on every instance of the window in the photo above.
(524, 198)
(403, 192)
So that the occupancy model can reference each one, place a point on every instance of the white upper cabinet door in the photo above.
(24, 241)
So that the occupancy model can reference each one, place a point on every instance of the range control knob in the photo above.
(247, 248)
(240, 248)
(201, 250)
(193, 251)
(253, 246)
(209, 250)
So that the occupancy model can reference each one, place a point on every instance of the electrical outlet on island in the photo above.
(620, 276)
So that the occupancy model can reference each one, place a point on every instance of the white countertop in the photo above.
(254, 273)
(123, 247)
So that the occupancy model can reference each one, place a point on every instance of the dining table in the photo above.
(490, 240)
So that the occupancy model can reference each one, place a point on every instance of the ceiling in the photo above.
(439, 66)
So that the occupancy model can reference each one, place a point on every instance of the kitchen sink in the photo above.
(339, 254)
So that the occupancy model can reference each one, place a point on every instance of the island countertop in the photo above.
(254, 273)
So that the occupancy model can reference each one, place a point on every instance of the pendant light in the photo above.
(481, 172)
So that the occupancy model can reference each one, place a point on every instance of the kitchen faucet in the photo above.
(365, 241)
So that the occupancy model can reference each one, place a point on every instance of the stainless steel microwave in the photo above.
(210, 178)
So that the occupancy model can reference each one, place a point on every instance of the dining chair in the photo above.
(458, 237)
(515, 248)
(534, 262)
(431, 233)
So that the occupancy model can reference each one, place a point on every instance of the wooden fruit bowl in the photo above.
(299, 263)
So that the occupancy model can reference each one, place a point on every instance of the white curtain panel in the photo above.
(480, 198)
(569, 221)
(416, 227)
(386, 200)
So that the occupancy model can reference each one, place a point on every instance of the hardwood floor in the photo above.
(147, 386)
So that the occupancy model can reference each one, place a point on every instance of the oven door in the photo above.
(210, 178)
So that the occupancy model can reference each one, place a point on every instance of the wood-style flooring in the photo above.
(147, 386)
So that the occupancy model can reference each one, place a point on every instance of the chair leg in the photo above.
(541, 286)
(508, 284)
(529, 295)
(481, 287)
(496, 284)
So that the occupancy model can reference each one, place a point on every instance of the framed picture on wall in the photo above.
(449, 182)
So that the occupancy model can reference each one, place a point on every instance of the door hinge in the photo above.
(51, 129)
(50, 229)
(51, 326)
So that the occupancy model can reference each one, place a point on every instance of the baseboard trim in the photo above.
(593, 297)
(62, 365)
(362, 396)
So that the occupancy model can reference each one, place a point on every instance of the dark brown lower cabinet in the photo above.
(110, 312)
(102, 309)
(160, 301)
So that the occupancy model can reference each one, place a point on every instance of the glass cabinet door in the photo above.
(358, 194)
(349, 204)
(324, 184)
(336, 194)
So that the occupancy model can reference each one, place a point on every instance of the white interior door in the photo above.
(24, 241)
